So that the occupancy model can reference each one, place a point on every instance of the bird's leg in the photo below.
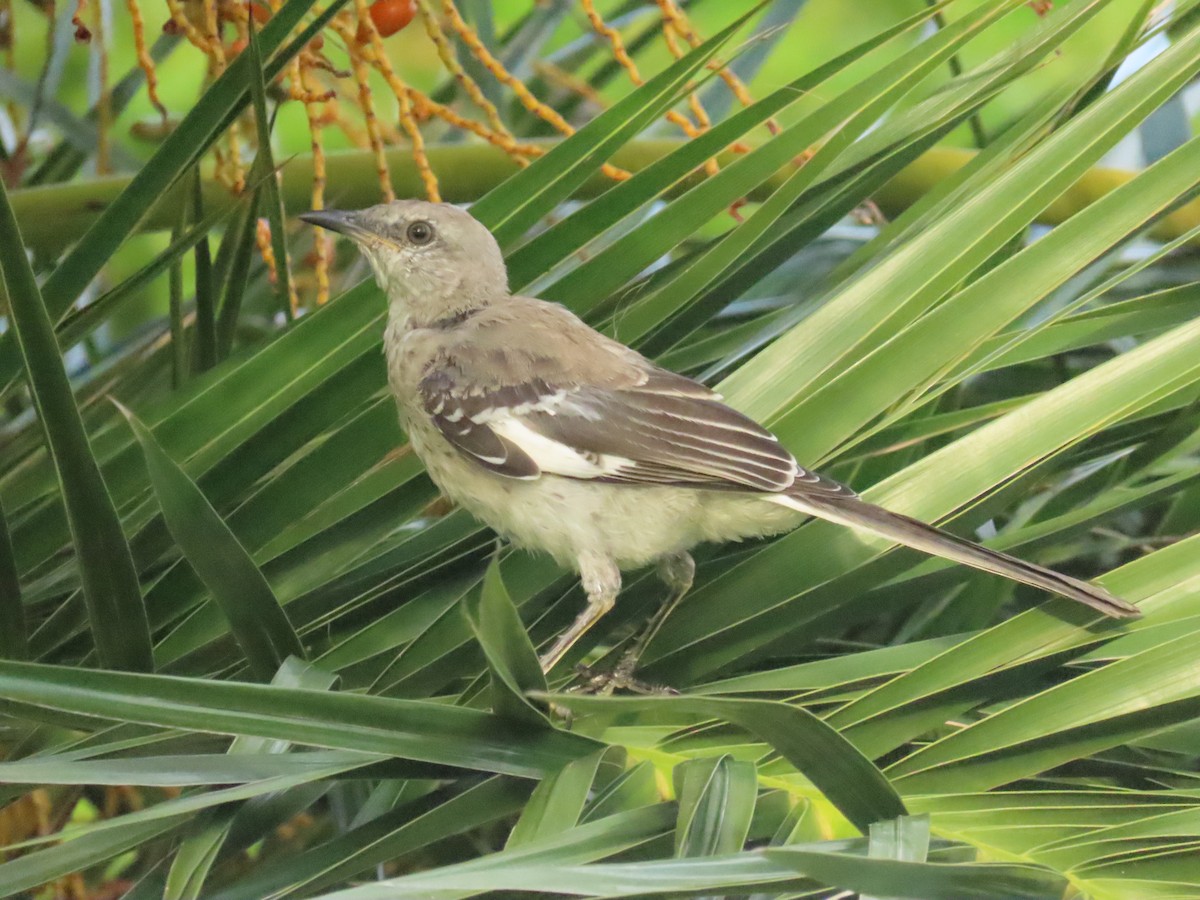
(677, 571)
(601, 581)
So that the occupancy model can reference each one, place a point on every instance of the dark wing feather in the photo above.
(453, 412)
(670, 438)
(525, 388)
(668, 430)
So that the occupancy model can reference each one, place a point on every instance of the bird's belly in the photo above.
(632, 524)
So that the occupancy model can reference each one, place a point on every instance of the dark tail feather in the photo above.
(914, 533)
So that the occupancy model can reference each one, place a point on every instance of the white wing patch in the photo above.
(554, 457)
(561, 402)
(489, 415)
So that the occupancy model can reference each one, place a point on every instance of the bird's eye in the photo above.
(420, 232)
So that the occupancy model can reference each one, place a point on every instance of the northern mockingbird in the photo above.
(568, 442)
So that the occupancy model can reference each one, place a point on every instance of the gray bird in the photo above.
(568, 442)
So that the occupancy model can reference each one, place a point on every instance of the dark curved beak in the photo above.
(335, 220)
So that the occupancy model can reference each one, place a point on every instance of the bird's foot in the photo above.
(618, 678)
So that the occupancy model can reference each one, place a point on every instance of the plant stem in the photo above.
(956, 69)
(53, 216)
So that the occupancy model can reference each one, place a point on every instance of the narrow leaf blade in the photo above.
(258, 622)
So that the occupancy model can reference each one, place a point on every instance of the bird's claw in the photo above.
(618, 678)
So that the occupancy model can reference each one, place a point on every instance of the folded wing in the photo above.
(657, 428)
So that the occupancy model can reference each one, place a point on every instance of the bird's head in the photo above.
(433, 260)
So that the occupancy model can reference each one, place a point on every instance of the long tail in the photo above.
(911, 532)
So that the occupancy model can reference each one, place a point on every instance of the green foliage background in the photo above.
(230, 589)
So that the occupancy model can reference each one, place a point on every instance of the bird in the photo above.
(568, 442)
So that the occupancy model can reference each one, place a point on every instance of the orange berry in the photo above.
(259, 12)
(316, 44)
(390, 16)
(236, 47)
